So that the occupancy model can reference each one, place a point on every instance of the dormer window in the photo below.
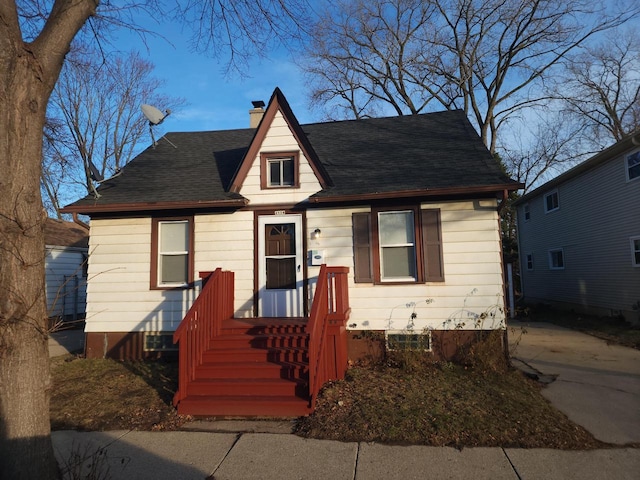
(279, 170)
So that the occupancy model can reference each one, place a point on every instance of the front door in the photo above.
(280, 267)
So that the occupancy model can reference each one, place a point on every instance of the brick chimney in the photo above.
(256, 113)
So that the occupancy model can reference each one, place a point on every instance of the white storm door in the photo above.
(280, 267)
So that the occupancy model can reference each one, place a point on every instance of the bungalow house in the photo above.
(386, 225)
(66, 253)
(579, 236)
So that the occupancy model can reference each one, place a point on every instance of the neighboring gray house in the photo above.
(579, 235)
(66, 247)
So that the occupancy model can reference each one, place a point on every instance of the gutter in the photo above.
(152, 206)
(501, 189)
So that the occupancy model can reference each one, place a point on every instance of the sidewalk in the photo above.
(280, 456)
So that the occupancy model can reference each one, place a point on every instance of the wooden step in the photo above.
(239, 355)
(262, 387)
(293, 340)
(288, 370)
(241, 406)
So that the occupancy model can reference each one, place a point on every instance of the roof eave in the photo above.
(611, 152)
(427, 192)
(153, 206)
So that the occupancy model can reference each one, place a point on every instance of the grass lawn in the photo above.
(479, 403)
(101, 394)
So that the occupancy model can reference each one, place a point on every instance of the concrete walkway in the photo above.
(66, 341)
(280, 456)
(595, 384)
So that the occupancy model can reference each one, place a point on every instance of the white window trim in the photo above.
(551, 251)
(545, 201)
(280, 161)
(627, 168)
(382, 247)
(633, 251)
(184, 253)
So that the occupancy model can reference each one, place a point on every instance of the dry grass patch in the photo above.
(481, 403)
(102, 394)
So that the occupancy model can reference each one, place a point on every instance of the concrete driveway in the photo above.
(595, 384)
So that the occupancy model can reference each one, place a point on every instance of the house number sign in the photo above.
(279, 212)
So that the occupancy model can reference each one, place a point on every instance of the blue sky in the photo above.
(215, 101)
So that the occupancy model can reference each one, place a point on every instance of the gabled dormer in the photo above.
(280, 166)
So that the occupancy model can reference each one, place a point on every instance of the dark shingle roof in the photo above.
(67, 234)
(415, 152)
(420, 152)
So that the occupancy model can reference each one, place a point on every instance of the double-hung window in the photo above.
(172, 252)
(635, 251)
(556, 259)
(633, 165)
(551, 202)
(279, 170)
(398, 245)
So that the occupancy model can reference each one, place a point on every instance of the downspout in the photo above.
(505, 333)
(78, 221)
(502, 204)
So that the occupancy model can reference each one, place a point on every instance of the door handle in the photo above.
(298, 268)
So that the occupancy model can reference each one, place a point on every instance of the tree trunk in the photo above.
(25, 382)
(28, 72)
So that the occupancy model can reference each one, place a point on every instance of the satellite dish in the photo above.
(155, 116)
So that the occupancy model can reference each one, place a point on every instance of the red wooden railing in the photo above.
(201, 324)
(327, 329)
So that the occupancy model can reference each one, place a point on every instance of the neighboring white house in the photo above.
(67, 250)
(579, 235)
(410, 204)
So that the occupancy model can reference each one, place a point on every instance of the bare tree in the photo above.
(35, 37)
(487, 57)
(243, 28)
(96, 107)
(600, 88)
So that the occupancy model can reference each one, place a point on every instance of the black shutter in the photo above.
(432, 245)
(363, 271)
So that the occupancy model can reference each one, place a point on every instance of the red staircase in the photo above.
(255, 367)
(262, 367)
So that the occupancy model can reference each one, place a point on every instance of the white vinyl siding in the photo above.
(593, 228)
(472, 266)
(280, 139)
(226, 241)
(119, 298)
(66, 286)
